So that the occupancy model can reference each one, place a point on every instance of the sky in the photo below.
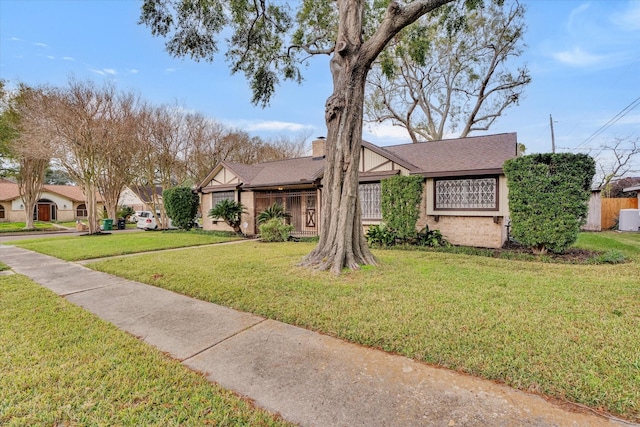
(583, 56)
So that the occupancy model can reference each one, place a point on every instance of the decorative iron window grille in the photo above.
(370, 201)
(223, 195)
(467, 194)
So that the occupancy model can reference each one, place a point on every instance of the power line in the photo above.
(626, 110)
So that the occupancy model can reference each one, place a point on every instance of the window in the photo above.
(466, 194)
(370, 200)
(223, 195)
(1, 212)
(81, 211)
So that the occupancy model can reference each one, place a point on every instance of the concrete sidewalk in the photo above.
(308, 378)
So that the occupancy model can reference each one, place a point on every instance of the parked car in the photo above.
(147, 221)
(134, 218)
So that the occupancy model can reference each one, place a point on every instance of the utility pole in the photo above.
(553, 138)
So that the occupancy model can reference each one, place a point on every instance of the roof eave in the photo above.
(473, 172)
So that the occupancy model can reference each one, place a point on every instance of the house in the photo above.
(140, 197)
(465, 193)
(632, 189)
(56, 203)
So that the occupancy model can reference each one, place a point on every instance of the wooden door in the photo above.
(44, 212)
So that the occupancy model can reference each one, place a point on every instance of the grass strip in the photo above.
(568, 331)
(60, 365)
(10, 227)
(82, 247)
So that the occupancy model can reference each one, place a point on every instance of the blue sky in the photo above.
(584, 58)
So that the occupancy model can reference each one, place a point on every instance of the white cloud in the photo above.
(133, 71)
(629, 20)
(68, 58)
(575, 12)
(271, 126)
(50, 57)
(578, 57)
(386, 134)
(16, 39)
(170, 70)
(104, 71)
(41, 44)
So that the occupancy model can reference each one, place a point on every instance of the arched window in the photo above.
(2, 212)
(81, 211)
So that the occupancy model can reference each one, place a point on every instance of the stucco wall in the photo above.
(208, 223)
(13, 212)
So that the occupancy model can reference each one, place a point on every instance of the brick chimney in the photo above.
(317, 147)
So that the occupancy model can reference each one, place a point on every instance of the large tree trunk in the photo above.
(30, 182)
(92, 208)
(342, 243)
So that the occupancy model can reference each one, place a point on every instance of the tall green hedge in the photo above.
(548, 198)
(181, 204)
(400, 204)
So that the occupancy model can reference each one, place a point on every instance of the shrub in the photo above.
(230, 212)
(548, 196)
(274, 230)
(125, 212)
(181, 204)
(400, 204)
(432, 238)
(276, 210)
(381, 235)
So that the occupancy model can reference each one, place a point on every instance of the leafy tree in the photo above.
(439, 79)
(276, 210)
(548, 196)
(230, 212)
(181, 204)
(400, 204)
(269, 40)
(57, 177)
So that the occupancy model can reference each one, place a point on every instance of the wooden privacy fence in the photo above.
(611, 210)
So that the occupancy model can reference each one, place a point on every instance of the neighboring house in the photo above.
(140, 198)
(56, 203)
(465, 194)
(636, 189)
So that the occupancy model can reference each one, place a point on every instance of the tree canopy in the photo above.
(436, 79)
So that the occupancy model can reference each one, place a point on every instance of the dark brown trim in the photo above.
(219, 188)
(376, 176)
(456, 178)
(459, 174)
(303, 185)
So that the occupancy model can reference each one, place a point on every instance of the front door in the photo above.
(44, 213)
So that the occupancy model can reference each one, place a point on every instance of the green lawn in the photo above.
(79, 247)
(568, 331)
(10, 227)
(60, 365)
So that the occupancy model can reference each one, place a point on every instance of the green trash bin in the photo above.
(107, 224)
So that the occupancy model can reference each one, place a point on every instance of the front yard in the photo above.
(567, 331)
(61, 365)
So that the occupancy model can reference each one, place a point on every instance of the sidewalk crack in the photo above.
(223, 340)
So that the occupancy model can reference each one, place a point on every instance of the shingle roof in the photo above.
(9, 191)
(145, 192)
(291, 171)
(459, 156)
(452, 157)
